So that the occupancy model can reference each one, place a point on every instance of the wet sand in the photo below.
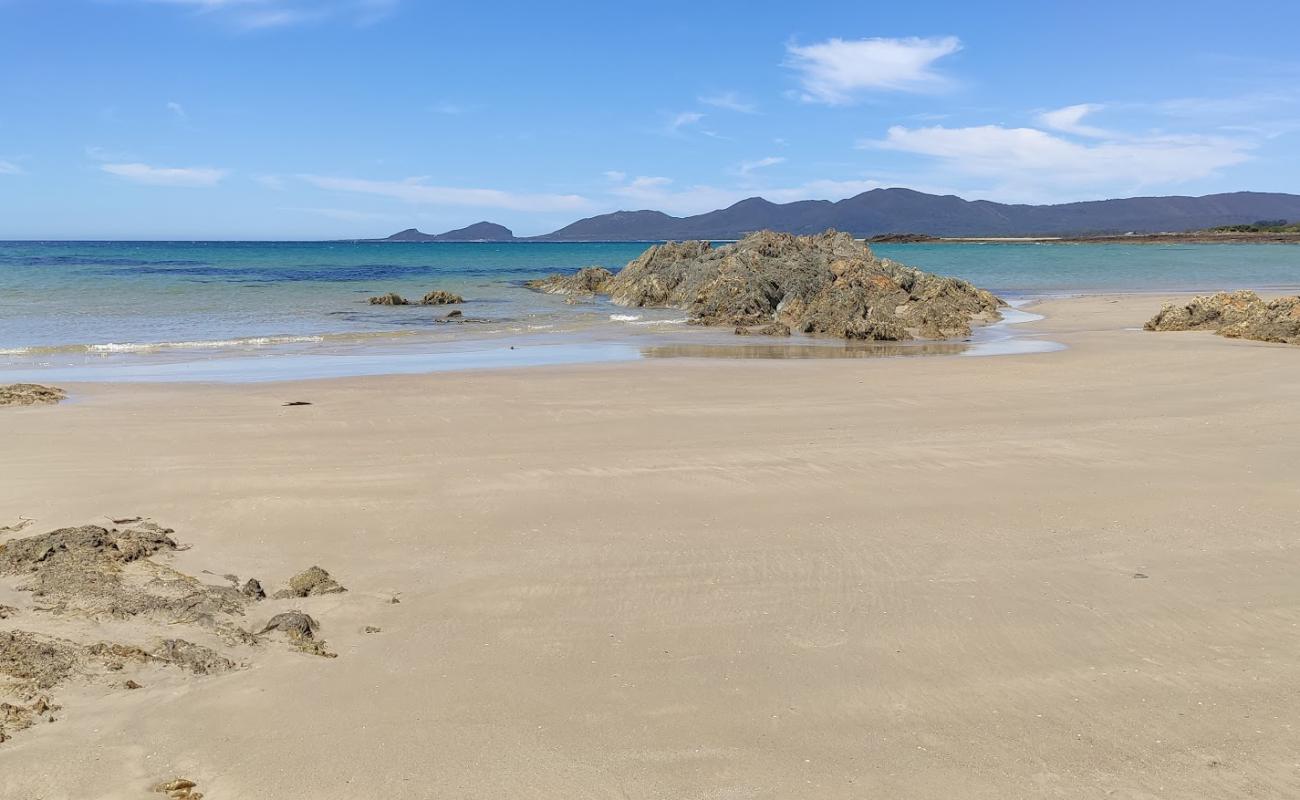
(723, 579)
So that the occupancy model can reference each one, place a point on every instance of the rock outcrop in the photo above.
(79, 576)
(440, 298)
(437, 297)
(1236, 315)
(772, 283)
(583, 283)
(30, 394)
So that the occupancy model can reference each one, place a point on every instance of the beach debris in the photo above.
(389, 299)
(1140, 576)
(438, 297)
(193, 657)
(92, 572)
(128, 520)
(297, 403)
(394, 600)
(179, 789)
(99, 571)
(301, 630)
(772, 283)
(454, 314)
(30, 394)
(1234, 315)
(22, 523)
(310, 582)
(32, 661)
(373, 629)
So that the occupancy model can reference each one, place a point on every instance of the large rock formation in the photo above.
(1236, 315)
(828, 284)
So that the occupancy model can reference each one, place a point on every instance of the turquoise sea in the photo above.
(219, 310)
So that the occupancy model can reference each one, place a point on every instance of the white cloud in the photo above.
(835, 71)
(746, 167)
(177, 109)
(166, 176)
(615, 175)
(657, 192)
(450, 109)
(264, 14)
(415, 190)
(10, 168)
(350, 215)
(729, 101)
(273, 182)
(683, 120)
(1031, 164)
(1070, 119)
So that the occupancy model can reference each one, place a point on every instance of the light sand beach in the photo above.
(710, 579)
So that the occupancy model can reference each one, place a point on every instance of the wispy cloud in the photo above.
(680, 121)
(729, 101)
(416, 190)
(744, 168)
(1070, 120)
(350, 215)
(177, 109)
(450, 109)
(273, 182)
(660, 193)
(1032, 165)
(10, 168)
(615, 175)
(166, 176)
(252, 15)
(836, 71)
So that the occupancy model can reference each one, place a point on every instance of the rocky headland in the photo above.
(828, 284)
(1235, 315)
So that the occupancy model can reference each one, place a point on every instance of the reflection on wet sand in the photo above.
(830, 350)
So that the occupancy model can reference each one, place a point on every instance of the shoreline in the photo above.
(376, 354)
(909, 577)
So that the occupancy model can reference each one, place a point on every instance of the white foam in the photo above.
(681, 321)
(209, 344)
(624, 317)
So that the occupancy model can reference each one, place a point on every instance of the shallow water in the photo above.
(184, 309)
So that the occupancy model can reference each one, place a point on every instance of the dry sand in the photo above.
(896, 578)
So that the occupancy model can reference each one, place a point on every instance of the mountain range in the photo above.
(884, 211)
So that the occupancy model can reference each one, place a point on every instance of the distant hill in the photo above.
(890, 211)
(883, 211)
(478, 232)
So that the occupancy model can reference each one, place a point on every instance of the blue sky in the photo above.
(293, 119)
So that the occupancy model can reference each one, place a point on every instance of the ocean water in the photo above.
(105, 309)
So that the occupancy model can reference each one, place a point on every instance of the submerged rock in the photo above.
(440, 298)
(437, 297)
(30, 394)
(1236, 315)
(774, 283)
